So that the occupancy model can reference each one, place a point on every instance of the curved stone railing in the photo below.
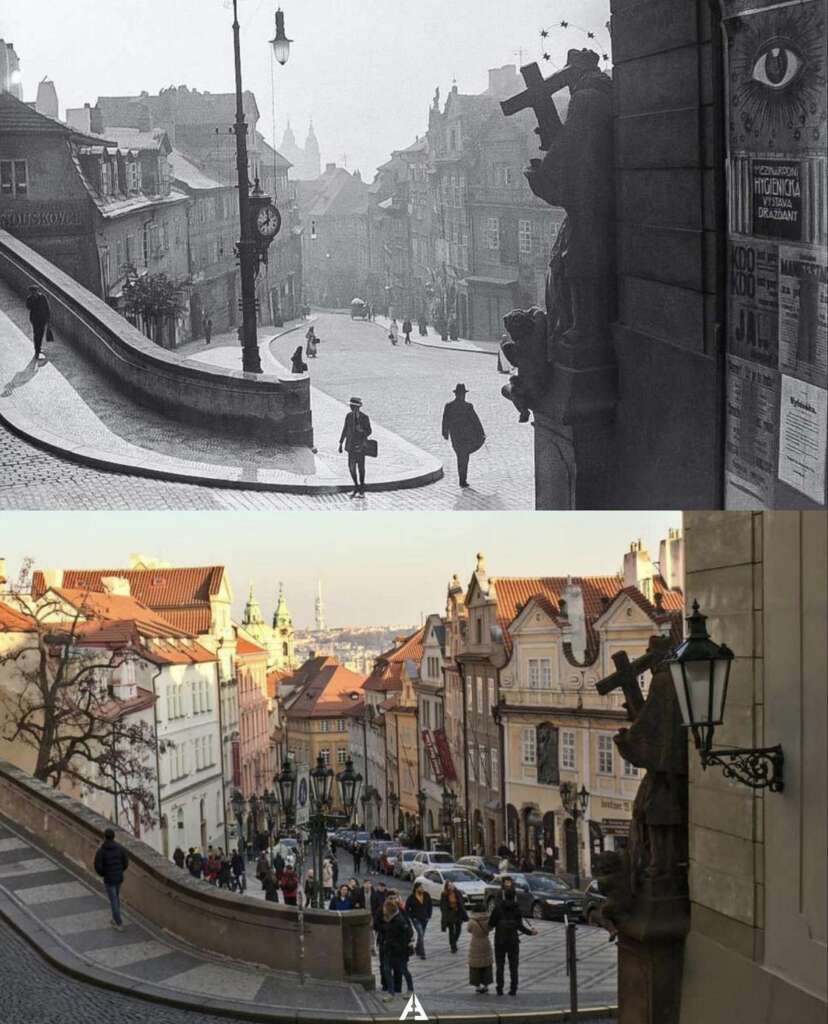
(336, 946)
(267, 406)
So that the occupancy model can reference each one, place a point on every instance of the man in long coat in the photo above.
(462, 426)
(355, 433)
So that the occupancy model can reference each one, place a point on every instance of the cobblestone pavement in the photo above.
(404, 388)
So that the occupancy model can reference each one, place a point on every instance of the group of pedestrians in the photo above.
(394, 331)
(226, 871)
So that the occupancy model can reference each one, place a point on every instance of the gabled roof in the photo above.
(324, 689)
(388, 668)
(189, 175)
(132, 138)
(150, 642)
(116, 608)
(17, 117)
(181, 595)
(245, 646)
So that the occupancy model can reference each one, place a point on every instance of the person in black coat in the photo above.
(397, 937)
(406, 329)
(297, 363)
(452, 914)
(419, 908)
(378, 898)
(111, 861)
(506, 921)
(462, 426)
(39, 316)
(355, 433)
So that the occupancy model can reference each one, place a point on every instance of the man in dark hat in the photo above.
(462, 426)
(355, 434)
(39, 316)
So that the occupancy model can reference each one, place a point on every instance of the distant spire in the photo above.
(319, 608)
(252, 611)
(281, 617)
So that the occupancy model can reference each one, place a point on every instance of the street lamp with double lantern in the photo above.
(575, 802)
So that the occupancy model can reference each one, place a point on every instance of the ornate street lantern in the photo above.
(701, 669)
(321, 780)
(349, 784)
(287, 789)
(280, 42)
(237, 802)
(271, 806)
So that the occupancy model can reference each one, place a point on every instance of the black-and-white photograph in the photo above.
(450, 258)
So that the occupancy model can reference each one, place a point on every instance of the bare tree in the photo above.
(56, 697)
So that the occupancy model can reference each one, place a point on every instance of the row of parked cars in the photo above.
(540, 894)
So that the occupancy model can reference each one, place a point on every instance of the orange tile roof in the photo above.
(274, 677)
(161, 647)
(12, 621)
(116, 608)
(388, 668)
(245, 646)
(181, 594)
(324, 689)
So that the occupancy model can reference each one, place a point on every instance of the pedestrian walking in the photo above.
(419, 908)
(370, 311)
(311, 342)
(422, 326)
(278, 865)
(208, 329)
(111, 861)
(309, 887)
(289, 885)
(224, 872)
(270, 886)
(327, 879)
(355, 434)
(262, 867)
(357, 854)
(507, 924)
(462, 426)
(397, 937)
(480, 952)
(196, 863)
(367, 895)
(297, 363)
(40, 314)
(406, 329)
(335, 868)
(394, 332)
(452, 914)
(238, 868)
(378, 898)
(342, 900)
(178, 857)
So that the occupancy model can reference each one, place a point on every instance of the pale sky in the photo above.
(365, 71)
(376, 569)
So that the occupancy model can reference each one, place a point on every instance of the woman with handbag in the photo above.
(452, 914)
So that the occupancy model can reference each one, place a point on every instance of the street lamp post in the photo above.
(259, 220)
(238, 804)
(393, 803)
(448, 811)
(321, 781)
(255, 814)
(271, 806)
(286, 781)
(575, 803)
(422, 798)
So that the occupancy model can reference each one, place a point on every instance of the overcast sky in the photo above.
(376, 569)
(365, 70)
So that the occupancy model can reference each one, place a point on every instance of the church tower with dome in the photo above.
(278, 639)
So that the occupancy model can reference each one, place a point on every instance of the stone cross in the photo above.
(538, 97)
(625, 678)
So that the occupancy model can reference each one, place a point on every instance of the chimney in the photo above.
(671, 559)
(116, 585)
(52, 578)
(96, 124)
(573, 597)
(637, 566)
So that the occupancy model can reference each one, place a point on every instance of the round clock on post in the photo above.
(268, 222)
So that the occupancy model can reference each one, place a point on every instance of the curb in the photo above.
(441, 346)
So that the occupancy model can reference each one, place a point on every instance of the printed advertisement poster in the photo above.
(752, 411)
(803, 428)
(803, 313)
(753, 314)
(777, 198)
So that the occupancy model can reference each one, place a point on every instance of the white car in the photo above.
(470, 887)
(425, 859)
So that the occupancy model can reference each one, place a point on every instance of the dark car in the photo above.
(485, 867)
(540, 895)
(594, 900)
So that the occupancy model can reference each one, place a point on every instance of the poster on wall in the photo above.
(752, 406)
(777, 183)
(803, 313)
(752, 284)
(803, 428)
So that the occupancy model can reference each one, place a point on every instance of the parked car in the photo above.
(470, 887)
(404, 867)
(485, 867)
(430, 858)
(594, 899)
(540, 895)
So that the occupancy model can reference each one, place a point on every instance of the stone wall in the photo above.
(337, 945)
(669, 199)
(757, 946)
(261, 405)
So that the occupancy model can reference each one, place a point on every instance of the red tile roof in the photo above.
(12, 621)
(388, 668)
(245, 646)
(118, 708)
(324, 689)
(182, 595)
(116, 608)
(163, 647)
(274, 677)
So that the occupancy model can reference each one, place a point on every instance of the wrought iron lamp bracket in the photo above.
(759, 768)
